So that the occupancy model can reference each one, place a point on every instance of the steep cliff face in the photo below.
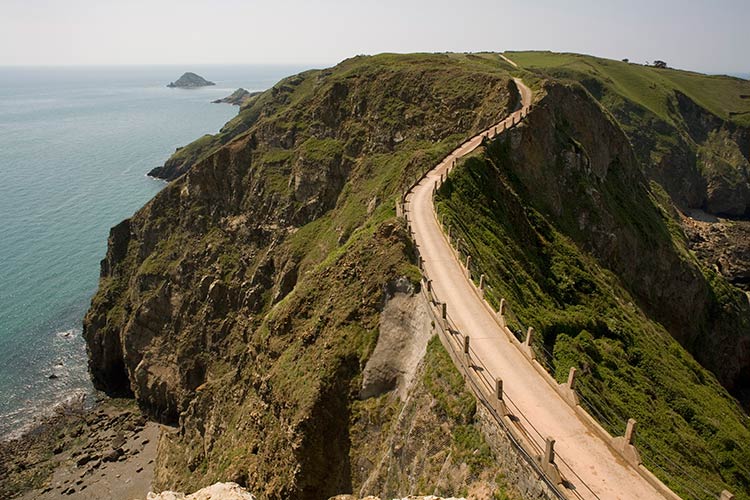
(576, 173)
(561, 219)
(243, 301)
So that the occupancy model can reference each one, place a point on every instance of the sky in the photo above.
(702, 35)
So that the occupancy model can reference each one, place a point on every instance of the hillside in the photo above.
(690, 131)
(257, 301)
(565, 226)
(244, 302)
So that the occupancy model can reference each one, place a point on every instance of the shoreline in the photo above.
(107, 450)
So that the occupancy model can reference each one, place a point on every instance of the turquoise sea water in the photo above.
(75, 144)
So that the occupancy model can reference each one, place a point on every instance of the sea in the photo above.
(75, 146)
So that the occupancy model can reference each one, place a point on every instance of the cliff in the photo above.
(190, 81)
(564, 224)
(690, 133)
(264, 302)
(243, 303)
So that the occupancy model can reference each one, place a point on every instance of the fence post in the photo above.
(572, 377)
(626, 446)
(527, 343)
(499, 402)
(481, 283)
(468, 262)
(466, 345)
(548, 461)
(567, 390)
(444, 312)
(501, 312)
(630, 432)
(549, 451)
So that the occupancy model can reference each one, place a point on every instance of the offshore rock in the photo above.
(190, 81)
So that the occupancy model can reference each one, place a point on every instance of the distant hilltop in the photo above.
(190, 81)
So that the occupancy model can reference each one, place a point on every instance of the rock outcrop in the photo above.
(190, 81)
(239, 97)
(218, 491)
(723, 244)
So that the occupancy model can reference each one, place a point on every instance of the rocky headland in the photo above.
(190, 81)
(265, 303)
(239, 97)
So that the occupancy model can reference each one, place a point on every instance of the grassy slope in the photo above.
(649, 87)
(630, 367)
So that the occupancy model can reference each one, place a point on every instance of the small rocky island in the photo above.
(190, 81)
(237, 98)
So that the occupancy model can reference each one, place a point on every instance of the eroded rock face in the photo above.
(402, 340)
(578, 183)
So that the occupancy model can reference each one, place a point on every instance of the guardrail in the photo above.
(536, 448)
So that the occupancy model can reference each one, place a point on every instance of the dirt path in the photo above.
(605, 473)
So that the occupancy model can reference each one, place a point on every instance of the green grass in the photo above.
(649, 87)
(629, 365)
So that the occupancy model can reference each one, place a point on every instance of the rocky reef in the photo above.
(190, 81)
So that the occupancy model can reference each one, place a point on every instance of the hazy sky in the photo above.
(711, 36)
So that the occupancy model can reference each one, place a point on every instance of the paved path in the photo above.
(606, 474)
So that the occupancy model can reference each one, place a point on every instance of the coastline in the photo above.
(104, 451)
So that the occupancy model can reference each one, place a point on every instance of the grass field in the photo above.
(647, 86)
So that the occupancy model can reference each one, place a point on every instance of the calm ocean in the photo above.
(75, 144)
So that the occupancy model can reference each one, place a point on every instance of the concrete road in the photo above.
(595, 471)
